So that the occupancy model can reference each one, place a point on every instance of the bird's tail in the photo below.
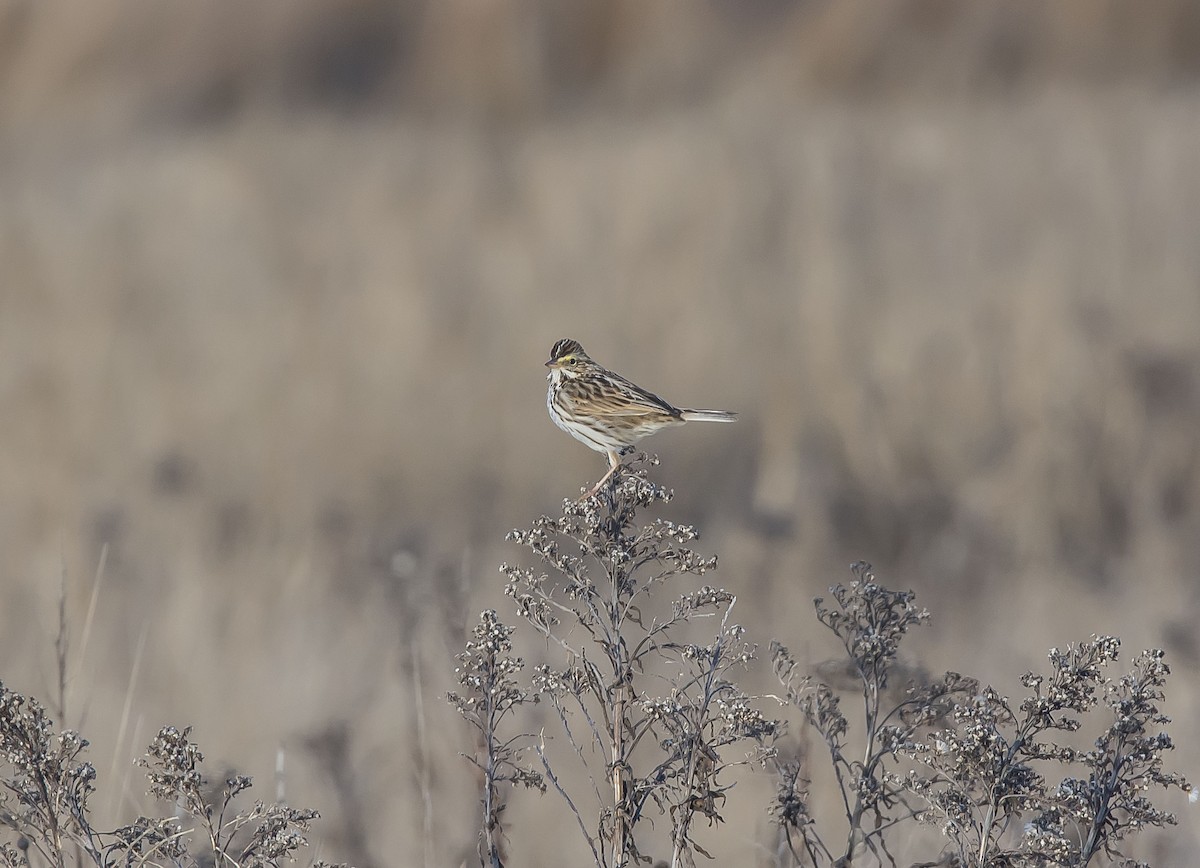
(707, 416)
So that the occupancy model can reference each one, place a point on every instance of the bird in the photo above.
(606, 411)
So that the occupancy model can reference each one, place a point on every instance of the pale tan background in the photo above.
(278, 280)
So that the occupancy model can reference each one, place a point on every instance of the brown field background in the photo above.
(278, 280)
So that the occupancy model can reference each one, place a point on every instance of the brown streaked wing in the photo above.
(613, 395)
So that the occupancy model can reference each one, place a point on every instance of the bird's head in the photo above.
(567, 359)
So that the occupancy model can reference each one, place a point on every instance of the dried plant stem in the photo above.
(621, 830)
(607, 572)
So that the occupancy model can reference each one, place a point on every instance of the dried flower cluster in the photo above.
(984, 777)
(967, 759)
(487, 673)
(256, 837)
(870, 621)
(595, 597)
(46, 787)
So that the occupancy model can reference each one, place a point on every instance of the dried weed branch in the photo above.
(966, 758)
(984, 776)
(870, 621)
(487, 673)
(665, 713)
(46, 786)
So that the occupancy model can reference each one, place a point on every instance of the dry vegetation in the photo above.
(279, 279)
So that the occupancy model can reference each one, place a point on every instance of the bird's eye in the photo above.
(572, 361)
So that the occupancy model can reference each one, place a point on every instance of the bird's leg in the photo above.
(614, 461)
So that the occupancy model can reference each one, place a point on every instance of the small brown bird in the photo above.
(606, 411)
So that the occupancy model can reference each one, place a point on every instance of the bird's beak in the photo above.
(550, 364)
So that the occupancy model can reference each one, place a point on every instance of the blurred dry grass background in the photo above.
(278, 280)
